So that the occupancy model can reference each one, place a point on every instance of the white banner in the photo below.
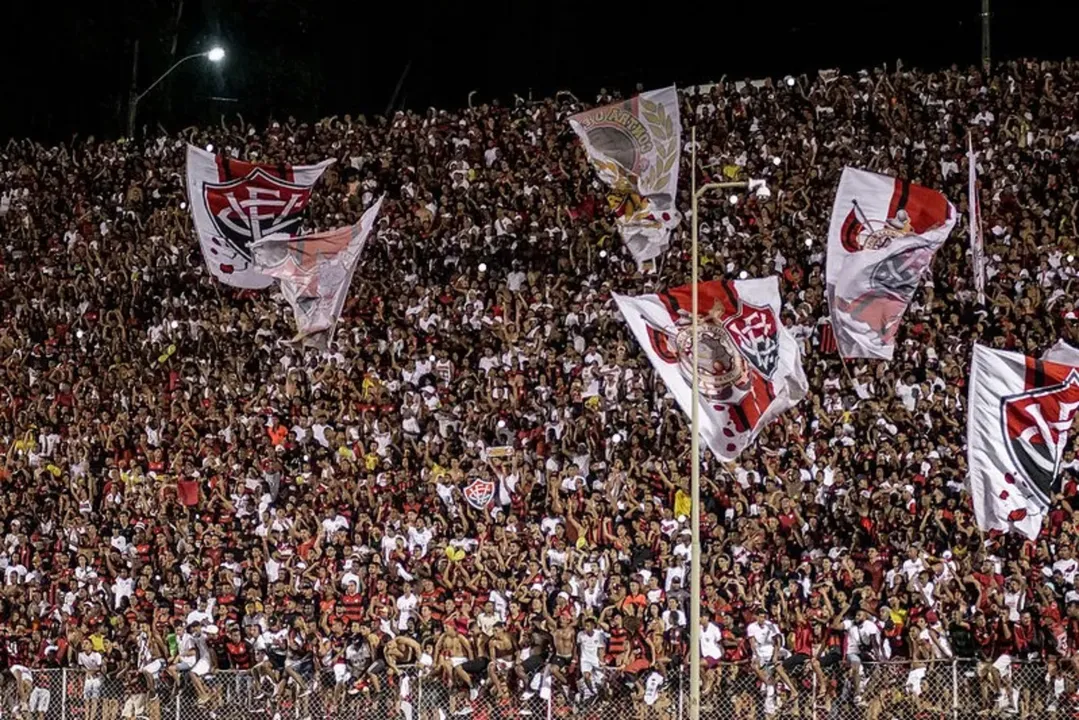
(974, 215)
(635, 147)
(1019, 414)
(750, 367)
(882, 238)
(315, 272)
(1062, 353)
(235, 204)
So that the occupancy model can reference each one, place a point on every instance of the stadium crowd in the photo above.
(185, 492)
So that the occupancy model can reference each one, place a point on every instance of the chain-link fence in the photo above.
(797, 688)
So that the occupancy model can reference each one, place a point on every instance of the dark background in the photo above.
(69, 70)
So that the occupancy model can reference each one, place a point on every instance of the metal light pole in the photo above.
(695, 452)
(214, 55)
(985, 35)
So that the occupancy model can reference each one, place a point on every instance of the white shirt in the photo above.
(590, 645)
(675, 618)
(406, 604)
(91, 661)
(123, 587)
(711, 641)
(1067, 568)
(763, 634)
(911, 568)
(859, 635)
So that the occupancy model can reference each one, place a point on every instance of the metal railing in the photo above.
(898, 690)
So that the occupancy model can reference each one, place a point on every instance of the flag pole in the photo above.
(695, 445)
(695, 470)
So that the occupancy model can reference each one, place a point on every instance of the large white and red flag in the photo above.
(1018, 422)
(974, 215)
(882, 238)
(749, 365)
(635, 147)
(315, 272)
(235, 204)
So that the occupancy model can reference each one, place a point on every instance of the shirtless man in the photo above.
(565, 642)
(923, 643)
(500, 649)
(451, 652)
(403, 650)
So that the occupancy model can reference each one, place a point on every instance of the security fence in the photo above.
(900, 690)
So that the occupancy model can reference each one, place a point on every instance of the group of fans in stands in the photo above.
(330, 553)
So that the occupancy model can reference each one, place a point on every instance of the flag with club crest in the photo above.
(635, 146)
(235, 204)
(479, 493)
(1019, 416)
(749, 365)
(882, 238)
(315, 272)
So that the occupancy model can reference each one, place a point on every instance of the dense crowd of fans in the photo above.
(185, 492)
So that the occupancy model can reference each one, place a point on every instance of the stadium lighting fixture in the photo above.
(215, 55)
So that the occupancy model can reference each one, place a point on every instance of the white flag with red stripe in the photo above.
(235, 204)
(1019, 416)
(315, 272)
(883, 235)
(749, 365)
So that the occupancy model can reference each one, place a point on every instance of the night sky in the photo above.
(69, 71)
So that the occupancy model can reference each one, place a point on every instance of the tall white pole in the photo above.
(695, 472)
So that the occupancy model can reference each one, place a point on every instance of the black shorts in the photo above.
(475, 667)
(277, 660)
(830, 657)
(795, 661)
(532, 663)
(562, 661)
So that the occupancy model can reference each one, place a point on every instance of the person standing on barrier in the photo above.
(501, 649)
(653, 702)
(564, 638)
(112, 686)
(711, 651)
(91, 663)
(592, 643)
(41, 695)
(137, 697)
(863, 643)
(240, 656)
